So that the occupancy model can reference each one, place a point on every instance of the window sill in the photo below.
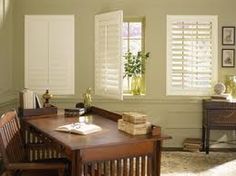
(131, 96)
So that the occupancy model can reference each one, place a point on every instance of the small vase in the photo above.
(136, 85)
(230, 84)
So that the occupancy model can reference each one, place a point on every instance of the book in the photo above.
(221, 97)
(134, 117)
(79, 128)
(192, 144)
(134, 129)
(38, 101)
(193, 141)
(72, 112)
(191, 150)
(27, 99)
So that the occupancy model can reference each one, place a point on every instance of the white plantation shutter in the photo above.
(36, 54)
(61, 62)
(191, 54)
(108, 58)
(49, 53)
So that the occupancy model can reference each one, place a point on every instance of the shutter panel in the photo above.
(36, 54)
(108, 59)
(192, 56)
(49, 53)
(61, 62)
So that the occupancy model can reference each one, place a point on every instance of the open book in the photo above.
(79, 128)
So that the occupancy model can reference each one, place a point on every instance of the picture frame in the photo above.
(228, 58)
(228, 35)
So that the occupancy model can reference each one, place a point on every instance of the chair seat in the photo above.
(53, 160)
(65, 161)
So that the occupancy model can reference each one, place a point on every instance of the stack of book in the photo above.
(29, 99)
(134, 123)
(73, 112)
(192, 144)
(221, 97)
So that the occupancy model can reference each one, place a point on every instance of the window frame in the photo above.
(192, 92)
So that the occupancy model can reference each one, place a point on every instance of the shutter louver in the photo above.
(191, 55)
(108, 63)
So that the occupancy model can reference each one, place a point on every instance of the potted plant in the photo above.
(135, 68)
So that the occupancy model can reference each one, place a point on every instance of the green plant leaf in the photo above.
(135, 64)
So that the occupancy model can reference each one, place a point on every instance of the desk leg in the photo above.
(79, 164)
(207, 140)
(203, 137)
(157, 160)
(74, 164)
(159, 143)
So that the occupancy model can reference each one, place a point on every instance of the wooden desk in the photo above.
(217, 116)
(103, 153)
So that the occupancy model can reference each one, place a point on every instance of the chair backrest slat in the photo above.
(12, 146)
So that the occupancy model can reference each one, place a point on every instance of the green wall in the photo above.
(7, 97)
(179, 116)
(5, 45)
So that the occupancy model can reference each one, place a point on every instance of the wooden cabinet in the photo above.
(217, 116)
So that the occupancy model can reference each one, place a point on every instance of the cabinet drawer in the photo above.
(222, 117)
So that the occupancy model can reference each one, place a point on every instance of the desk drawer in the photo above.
(222, 117)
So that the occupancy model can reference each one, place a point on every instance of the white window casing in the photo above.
(192, 57)
(49, 53)
(108, 57)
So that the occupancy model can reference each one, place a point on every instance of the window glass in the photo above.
(133, 39)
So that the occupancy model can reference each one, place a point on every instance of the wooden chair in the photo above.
(14, 151)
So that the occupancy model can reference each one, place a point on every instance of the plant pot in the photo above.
(136, 85)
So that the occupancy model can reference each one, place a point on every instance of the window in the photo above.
(133, 41)
(191, 54)
(114, 38)
(49, 53)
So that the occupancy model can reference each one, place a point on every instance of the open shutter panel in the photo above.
(108, 58)
(191, 51)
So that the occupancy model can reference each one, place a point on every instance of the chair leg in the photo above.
(61, 172)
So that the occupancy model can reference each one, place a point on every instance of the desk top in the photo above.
(109, 135)
(210, 104)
